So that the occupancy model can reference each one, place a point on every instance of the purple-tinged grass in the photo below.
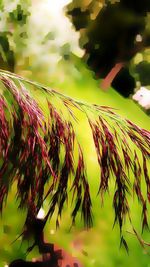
(30, 154)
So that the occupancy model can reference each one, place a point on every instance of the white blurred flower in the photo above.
(49, 30)
(41, 214)
(139, 38)
(142, 96)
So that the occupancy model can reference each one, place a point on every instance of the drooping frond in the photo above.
(40, 151)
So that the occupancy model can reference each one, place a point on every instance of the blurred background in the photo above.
(76, 47)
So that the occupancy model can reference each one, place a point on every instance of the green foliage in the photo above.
(13, 31)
